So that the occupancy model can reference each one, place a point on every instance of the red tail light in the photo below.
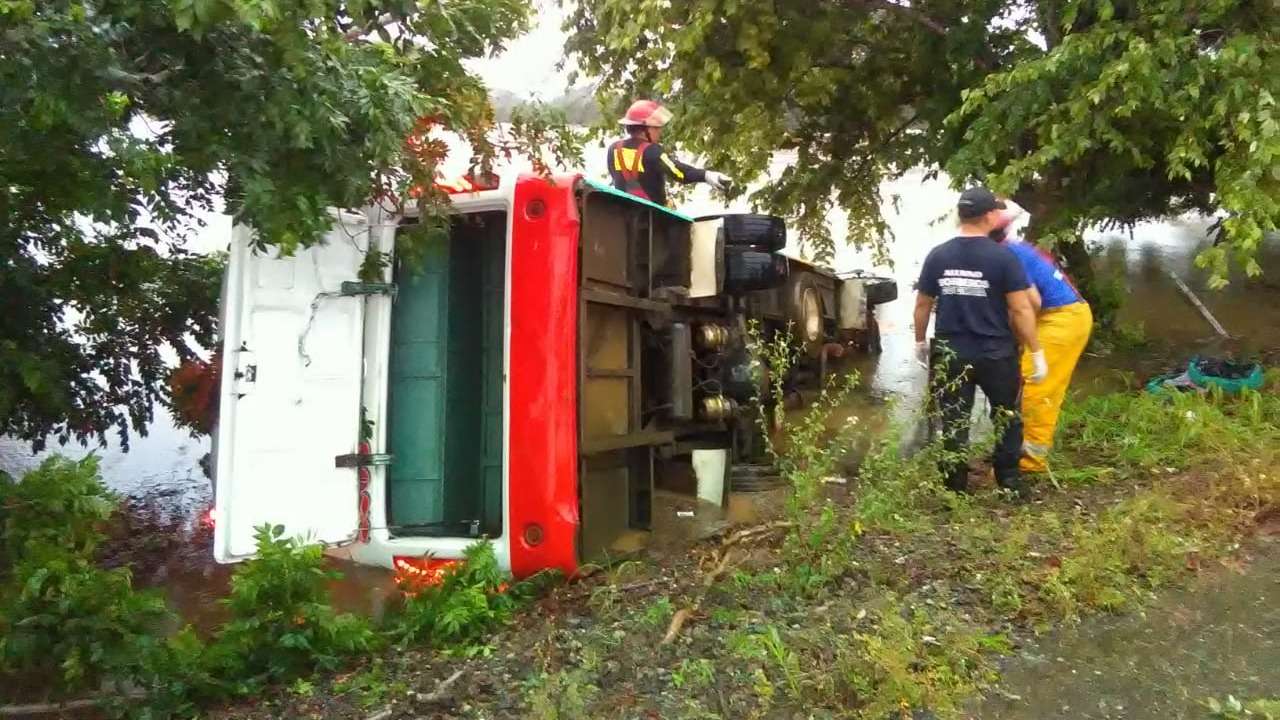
(415, 573)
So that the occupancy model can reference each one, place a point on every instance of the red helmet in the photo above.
(648, 113)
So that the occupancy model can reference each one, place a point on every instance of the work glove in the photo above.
(922, 352)
(1039, 367)
(719, 181)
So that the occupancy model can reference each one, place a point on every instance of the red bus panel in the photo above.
(543, 422)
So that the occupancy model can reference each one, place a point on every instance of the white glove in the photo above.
(922, 353)
(719, 181)
(1039, 367)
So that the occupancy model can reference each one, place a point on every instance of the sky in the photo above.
(528, 66)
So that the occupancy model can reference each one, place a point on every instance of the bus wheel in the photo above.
(806, 316)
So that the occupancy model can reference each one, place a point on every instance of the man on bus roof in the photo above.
(640, 166)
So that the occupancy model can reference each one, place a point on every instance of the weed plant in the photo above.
(72, 627)
(462, 609)
(64, 620)
(282, 624)
(1233, 709)
(806, 451)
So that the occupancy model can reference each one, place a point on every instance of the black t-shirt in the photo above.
(969, 277)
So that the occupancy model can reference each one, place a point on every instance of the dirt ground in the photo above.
(661, 637)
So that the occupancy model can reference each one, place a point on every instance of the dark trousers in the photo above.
(954, 382)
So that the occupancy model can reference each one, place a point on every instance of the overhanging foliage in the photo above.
(1087, 110)
(122, 121)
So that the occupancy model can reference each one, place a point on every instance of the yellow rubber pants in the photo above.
(1063, 331)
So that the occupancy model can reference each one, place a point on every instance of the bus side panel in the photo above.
(543, 398)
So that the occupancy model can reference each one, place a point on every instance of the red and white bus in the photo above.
(521, 379)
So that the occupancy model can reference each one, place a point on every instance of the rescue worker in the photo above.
(983, 311)
(1063, 324)
(639, 165)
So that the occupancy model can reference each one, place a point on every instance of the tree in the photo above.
(121, 121)
(1086, 111)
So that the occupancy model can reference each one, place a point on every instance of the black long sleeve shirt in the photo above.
(656, 165)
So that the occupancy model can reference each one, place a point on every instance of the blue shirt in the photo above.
(969, 277)
(1054, 286)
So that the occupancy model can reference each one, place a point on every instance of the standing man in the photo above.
(640, 166)
(984, 310)
(1063, 324)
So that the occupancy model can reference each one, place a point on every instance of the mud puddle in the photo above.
(1219, 638)
(165, 538)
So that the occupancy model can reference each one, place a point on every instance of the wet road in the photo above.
(1217, 639)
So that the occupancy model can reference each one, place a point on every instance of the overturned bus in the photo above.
(520, 385)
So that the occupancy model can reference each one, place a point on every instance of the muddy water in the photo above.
(1221, 638)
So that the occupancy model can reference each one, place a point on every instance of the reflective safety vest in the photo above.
(629, 163)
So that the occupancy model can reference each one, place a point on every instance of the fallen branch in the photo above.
(380, 715)
(677, 621)
(640, 585)
(439, 694)
(1204, 311)
(717, 571)
(65, 706)
(756, 532)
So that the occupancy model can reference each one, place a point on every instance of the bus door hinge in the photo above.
(358, 460)
(351, 288)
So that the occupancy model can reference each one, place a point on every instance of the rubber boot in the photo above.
(957, 478)
(1013, 482)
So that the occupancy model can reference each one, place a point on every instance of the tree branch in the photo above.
(358, 32)
(904, 10)
(919, 17)
(893, 135)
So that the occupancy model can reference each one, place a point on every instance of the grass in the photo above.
(1141, 433)
(1234, 709)
(889, 597)
(902, 597)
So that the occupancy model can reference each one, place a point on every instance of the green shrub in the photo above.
(176, 675)
(64, 620)
(282, 624)
(58, 508)
(68, 622)
(470, 599)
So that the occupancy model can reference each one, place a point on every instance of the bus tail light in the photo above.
(415, 573)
